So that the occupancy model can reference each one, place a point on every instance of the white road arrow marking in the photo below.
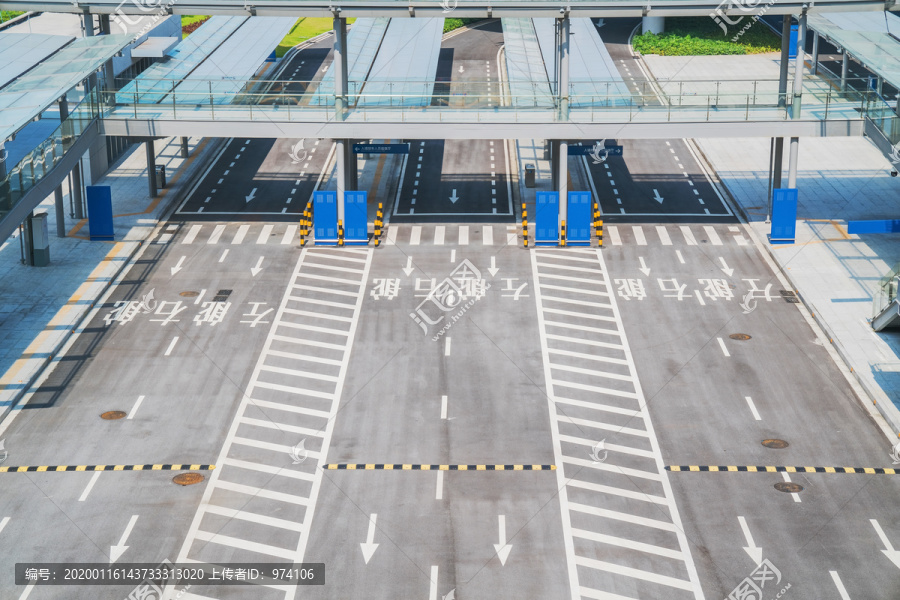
(116, 552)
(408, 269)
(752, 549)
(725, 268)
(657, 197)
(493, 268)
(893, 555)
(251, 196)
(461, 69)
(369, 548)
(255, 270)
(454, 197)
(600, 23)
(177, 267)
(502, 548)
(644, 269)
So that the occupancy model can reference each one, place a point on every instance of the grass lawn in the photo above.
(6, 15)
(701, 36)
(189, 23)
(451, 24)
(303, 29)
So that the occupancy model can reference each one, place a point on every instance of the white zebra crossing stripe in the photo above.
(664, 238)
(241, 234)
(415, 235)
(439, 235)
(216, 234)
(712, 235)
(688, 236)
(487, 235)
(264, 234)
(639, 238)
(289, 234)
(192, 234)
(463, 235)
(613, 232)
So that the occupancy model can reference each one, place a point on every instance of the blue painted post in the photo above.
(356, 222)
(578, 224)
(784, 216)
(100, 212)
(325, 218)
(546, 218)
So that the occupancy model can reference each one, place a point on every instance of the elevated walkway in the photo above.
(886, 304)
(363, 41)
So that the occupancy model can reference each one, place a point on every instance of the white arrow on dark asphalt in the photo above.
(893, 555)
(657, 197)
(251, 196)
(408, 269)
(454, 197)
(116, 552)
(502, 548)
(600, 23)
(644, 269)
(368, 547)
(752, 549)
(493, 269)
(177, 267)
(725, 268)
(255, 270)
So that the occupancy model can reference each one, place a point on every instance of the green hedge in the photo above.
(6, 15)
(451, 24)
(701, 36)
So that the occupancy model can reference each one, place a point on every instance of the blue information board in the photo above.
(100, 213)
(381, 148)
(784, 216)
(356, 220)
(879, 226)
(546, 219)
(578, 223)
(325, 218)
(792, 51)
(588, 150)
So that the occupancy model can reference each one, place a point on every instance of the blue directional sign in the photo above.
(546, 217)
(381, 148)
(356, 221)
(784, 216)
(589, 150)
(100, 212)
(325, 218)
(578, 225)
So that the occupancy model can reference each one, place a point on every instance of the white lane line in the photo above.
(415, 235)
(6, 519)
(171, 346)
(192, 234)
(487, 235)
(511, 238)
(839, 585)
(787, 478)
(432, 594)
(699, 297)
(200, 296)
(224, 254)
(264, 234)
(27, 591)
(443, 407)
(241, 234)
(463, 235)
(680, 257)
(752, 408)
(447, 346)
(639, 238)
(640, 574)
(224, 540)
(134, 408)
(392, 235)
(663, 235)
(722, 346)
(606, 489)
(713, 236)
(439, 492)
(249, 490)
(620, 516)
(254, 518)
(613, 233)
(289, 234)
(453, 255)
(626, 543)
(439, 235)
(688, 235)
(90, 486)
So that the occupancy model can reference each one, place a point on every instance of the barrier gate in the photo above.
(325, 218)
(356, 222)
(578, 225)
(546, 219)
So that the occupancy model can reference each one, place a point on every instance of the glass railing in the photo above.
(886, 292)
(36, 164)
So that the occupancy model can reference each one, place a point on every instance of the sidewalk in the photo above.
(41, 306)
(836, 274)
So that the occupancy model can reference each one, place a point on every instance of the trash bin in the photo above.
(529, 176)
(40, 239)
(161, 177)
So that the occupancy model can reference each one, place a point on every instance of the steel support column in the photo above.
(792, 164)
(562, 75)
(60, 212)
(814, 60)
(563, 179)
(798, 68)
(845, 68)
(185, 152)
(76, 191)
(151, 168)
(785, 54)
(341, 160)
(340, 76)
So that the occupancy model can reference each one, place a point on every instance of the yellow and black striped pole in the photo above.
(340, 232)
(379, 224)
(304, 227)
(525, 224)
(598, 224)
(562, 237)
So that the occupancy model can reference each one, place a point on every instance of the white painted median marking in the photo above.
(443, 407)
(680, 257)
(839, 585)
(722, 345)
(752, 408)
(439, 492)
(3, 523)
(135, 407)
(171, 346)
(447, 347)
(90, 486)
(224, 254)
(787, 479)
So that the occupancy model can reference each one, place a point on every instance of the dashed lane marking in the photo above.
(416, 467)
(780, 469)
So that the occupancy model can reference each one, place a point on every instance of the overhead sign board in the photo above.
(381, 148)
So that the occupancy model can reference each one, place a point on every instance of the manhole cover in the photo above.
(189, 294)
(740, 336)
(187, 478)
(113, 415)
(788, 487)
(776, 444)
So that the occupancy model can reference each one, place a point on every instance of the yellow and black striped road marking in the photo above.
(404, 467)
(757, 469)
(70, 468)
